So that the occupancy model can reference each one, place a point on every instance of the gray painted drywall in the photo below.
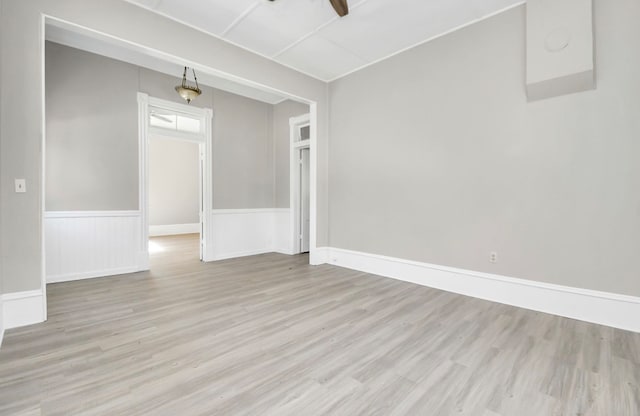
(174, 195)
(242, 153)
(92, 132)
(281, 114)
(92, 135)
(21, 132)
(436, 156)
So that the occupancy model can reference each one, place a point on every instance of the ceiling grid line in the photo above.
(240, 18)
(316, 30)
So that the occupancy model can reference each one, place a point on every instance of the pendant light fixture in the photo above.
(186, 91)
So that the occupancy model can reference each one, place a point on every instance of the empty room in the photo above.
(320, 207)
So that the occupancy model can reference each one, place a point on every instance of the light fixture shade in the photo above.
(186, 91)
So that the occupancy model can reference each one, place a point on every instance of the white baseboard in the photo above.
(237, 254)
(618, 311)
(92, 274)
(173, 229)
(22, 308)
(319, 256)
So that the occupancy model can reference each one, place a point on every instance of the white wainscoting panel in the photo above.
(22, 308)
(283, 232)
(173, 229)
(618, 311)
(86, 244)
(246, 232)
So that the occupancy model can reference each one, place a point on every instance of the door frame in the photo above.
(295, 123)
(204, 140)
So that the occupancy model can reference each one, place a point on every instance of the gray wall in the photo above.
(174, 195)
(92, 132)
(436, 156)
(92, 135)
(281, 114)
(242, 153)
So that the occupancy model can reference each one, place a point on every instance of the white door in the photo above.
(305, 216)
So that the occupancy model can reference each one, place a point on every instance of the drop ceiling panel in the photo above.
(271, 27)
(320, 57)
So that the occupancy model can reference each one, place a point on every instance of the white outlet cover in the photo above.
(21, 185)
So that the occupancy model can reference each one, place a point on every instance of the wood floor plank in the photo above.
(271, 335)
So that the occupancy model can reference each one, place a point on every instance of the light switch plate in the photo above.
(21, 185)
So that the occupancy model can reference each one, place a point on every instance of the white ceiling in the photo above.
(308, 36)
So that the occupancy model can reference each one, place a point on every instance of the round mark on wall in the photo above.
(557, 40)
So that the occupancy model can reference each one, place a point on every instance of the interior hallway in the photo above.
(271, 335)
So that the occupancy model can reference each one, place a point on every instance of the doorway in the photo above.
(305, 214)
(186, 129)
(175, 199)
(300, 168)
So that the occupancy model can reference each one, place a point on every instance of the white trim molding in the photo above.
(22, 308)
(319, 256)
(614, 310)
(173, 229)
(1, 320)
(204, 140)
(90, 214)
(295, 145)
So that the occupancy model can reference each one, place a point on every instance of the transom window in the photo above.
(174, 121)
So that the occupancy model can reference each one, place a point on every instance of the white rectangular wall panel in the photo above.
(560, 51)
(283, 234)
(245, 232)
(85, 244)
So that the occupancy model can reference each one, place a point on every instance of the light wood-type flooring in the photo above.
(271, 335)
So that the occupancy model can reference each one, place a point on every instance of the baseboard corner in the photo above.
(319, 255)
(22, 308)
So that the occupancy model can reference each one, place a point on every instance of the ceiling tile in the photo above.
(380, 28)
(149, 4)
(212, 16)
(272, 26)
(321, 58)
(487, 7)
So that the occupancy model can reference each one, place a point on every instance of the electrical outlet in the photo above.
(493, 257)
(21, 185)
